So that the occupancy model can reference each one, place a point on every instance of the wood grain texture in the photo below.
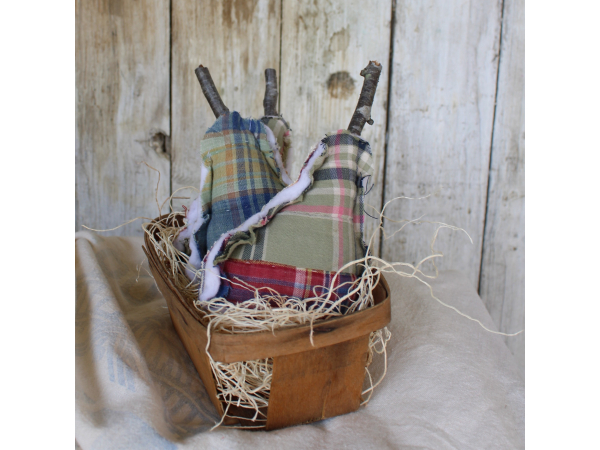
(325, 45)
(236, 41)
(502, 285)
(317, 384)
(122, 106)
(441, 113)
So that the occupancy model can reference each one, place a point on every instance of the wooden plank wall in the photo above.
(123, 112)
(449, 119)
(502, 285)
(441, 115)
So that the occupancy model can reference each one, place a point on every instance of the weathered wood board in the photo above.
(502, 285)
(445, 60)
(237, 41)
(319, 383)
(122, 112)
(325, 45)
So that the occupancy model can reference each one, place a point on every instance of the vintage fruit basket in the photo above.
(310, 382)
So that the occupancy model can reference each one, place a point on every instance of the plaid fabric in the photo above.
(282, 132)
(286, 280)
(322, 230)
(242, 176)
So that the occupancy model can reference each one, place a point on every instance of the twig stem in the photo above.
(210, 92)
(271, 93)
(362, 113)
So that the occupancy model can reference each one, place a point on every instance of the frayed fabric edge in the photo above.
(194, 222)
(212, 274)
(285, 178)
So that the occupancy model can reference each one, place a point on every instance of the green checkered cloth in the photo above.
(323, 228)
(242, 176)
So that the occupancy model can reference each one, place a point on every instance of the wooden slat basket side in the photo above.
(310, 382)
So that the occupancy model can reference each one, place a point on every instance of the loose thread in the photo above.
(168, 199)
(380, 336)
(172, 196)
(157, 185)
(119, 226)
(139, 268)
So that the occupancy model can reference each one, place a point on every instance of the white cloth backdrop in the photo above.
(450, 384)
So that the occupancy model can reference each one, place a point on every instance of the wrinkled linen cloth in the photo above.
(449, 384)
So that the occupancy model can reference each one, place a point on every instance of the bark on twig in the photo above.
(210, 92)
(362, 113)
(270, 101)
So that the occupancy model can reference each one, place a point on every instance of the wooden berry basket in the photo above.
(309, 382)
